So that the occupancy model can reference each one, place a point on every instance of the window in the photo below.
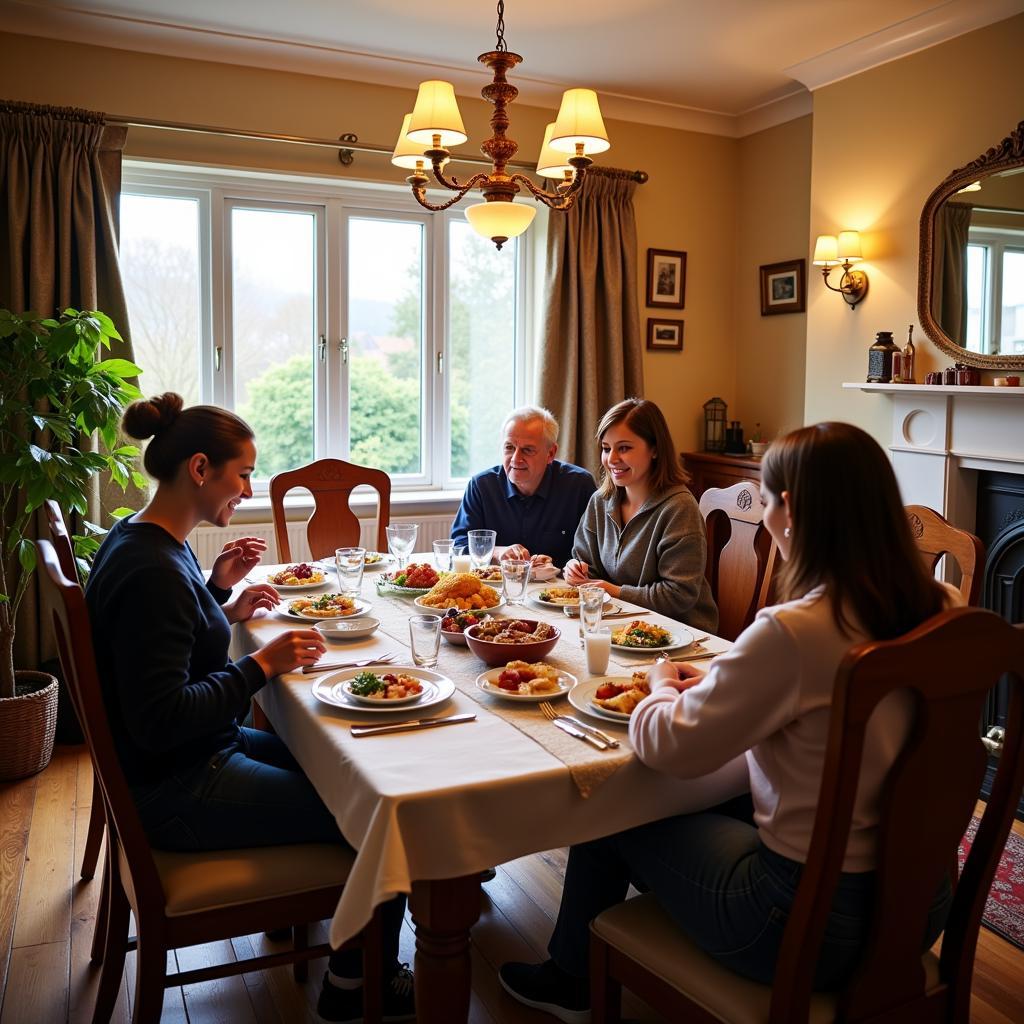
(995, 291)
(340, 322)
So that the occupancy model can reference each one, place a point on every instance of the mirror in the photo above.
(970, 297)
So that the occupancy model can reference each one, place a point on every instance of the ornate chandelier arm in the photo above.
(453, 184)
(565, 198)
(420, 194)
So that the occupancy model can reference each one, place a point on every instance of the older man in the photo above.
(533, 501)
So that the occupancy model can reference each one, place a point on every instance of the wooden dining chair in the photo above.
(935, 536)
(948, 664)
(184, 899)
(739, 552)
(332, 524)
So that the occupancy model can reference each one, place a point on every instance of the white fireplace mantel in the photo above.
(942, 437)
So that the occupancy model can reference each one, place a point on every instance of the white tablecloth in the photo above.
(447, 802)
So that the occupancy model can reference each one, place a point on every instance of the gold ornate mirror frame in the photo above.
(1008, 154)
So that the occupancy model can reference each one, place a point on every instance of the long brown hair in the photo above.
(647, 421)
(850, 531)
(179, 433)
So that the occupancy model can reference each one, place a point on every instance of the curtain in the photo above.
(591, 355)
(949, 269)
(61, 174)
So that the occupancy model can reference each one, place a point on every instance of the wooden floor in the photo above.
(47, 914)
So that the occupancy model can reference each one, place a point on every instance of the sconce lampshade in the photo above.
(579, 120)
(848, 245)
(500, 220)
(551, 163)
(436, 113)
(826, 251)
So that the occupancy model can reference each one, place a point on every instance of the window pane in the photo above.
(976, 257)
(273, 279)
(1012, 340)
(385, 331)
(159, 259)
(482, 331)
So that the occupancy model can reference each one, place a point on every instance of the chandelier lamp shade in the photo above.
(435, 125)
(842, 250)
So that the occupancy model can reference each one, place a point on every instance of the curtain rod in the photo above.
(346, 144)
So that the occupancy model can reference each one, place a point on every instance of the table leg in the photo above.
(443, 911)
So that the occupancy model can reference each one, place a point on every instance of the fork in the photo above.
(549, 712)
(384, 659)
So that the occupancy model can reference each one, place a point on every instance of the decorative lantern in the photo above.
(714, 425)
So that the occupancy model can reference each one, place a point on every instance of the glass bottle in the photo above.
(907, 363)
(880, 358)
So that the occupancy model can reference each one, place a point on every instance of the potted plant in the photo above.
(57, 392)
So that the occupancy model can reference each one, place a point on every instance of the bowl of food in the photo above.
(454, 624)
(498, 641)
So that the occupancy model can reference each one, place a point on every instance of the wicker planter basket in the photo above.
(27, 724)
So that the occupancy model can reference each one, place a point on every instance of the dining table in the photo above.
(427, 810)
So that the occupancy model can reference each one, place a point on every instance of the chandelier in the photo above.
(435, 124)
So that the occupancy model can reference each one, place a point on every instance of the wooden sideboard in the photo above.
(710, 469)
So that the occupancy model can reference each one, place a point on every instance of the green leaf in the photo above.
(121, 512)
(127, 451)
(117, 367)
(27, 555)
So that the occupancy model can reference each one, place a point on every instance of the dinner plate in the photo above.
(537, 599)
(489, 574)
(296, 588)
(488, 682)
(361, 608)
(429, 690)
(581, 697)
(327, 688)
(681, 637)
(384, 561)
(347, 629)
(438, 610)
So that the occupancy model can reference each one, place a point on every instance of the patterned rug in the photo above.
(1004, 909)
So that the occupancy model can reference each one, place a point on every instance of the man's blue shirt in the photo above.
(545, 522)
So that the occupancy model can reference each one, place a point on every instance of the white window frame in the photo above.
(220, 190)
(996, 242)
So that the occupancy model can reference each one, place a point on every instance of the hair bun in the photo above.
(149, 417)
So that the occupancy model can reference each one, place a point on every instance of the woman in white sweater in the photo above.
(728, 875)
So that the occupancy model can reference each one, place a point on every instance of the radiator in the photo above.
(207, 541)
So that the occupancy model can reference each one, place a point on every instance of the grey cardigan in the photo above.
(657, 558)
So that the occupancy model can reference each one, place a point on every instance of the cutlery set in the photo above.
(580, 730)
(325, 666)
(419, 723)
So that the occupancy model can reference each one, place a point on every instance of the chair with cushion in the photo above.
(936, 536)
(948, 664)
(333, 524)
(739, 551)
(183, 899)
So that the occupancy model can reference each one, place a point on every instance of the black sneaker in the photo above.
(345, 1005)
(547, 987)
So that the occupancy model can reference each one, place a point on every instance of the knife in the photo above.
(419, 723)
(324, 666)
(579, 733)
(586, 727)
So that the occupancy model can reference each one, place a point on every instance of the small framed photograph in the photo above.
(665, 334)
(666, 278)
(783, 287)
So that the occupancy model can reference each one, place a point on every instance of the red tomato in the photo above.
(509, 679)
(608, 691)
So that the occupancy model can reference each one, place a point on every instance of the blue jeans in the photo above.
(253, 793)
(722, 886)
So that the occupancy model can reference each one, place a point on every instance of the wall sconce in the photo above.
(844, 251)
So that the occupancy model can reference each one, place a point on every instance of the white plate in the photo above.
(581, 697)
(361, 608)
(347, 629)
(298, 587)
(437, 610)
(680, 638)
(488, 682)
(429, 690)
(327, 688)
(385, 561)
(536, 598)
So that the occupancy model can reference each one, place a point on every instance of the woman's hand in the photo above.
(260, 595)
(679, 676)
(290, 651)
(576, 572)
(236, 559)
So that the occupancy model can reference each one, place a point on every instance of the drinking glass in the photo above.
(424, 639)
(598, 645)
(481, 547)
(515, 577)
(591, 603)
(461, 562)
(401, 541)
(443, 554)
(350, 563)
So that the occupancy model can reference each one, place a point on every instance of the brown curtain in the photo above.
(591, 356)
(949, 270)
(61, 176)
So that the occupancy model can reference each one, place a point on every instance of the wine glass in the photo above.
(401, 541)
(481, 547)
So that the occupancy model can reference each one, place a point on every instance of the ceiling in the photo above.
(727, 67)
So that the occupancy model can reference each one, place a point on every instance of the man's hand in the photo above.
(236, 559)
(516, 551)
(576, 572)
(260, 595)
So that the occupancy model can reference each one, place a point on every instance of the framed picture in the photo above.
(665, 334)
(783, 287)
(666, 278)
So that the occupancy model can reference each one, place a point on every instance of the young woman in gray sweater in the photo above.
(642, 537)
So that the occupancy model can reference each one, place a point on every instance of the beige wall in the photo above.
(882, 141)
(688, 203)
(773, 217)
